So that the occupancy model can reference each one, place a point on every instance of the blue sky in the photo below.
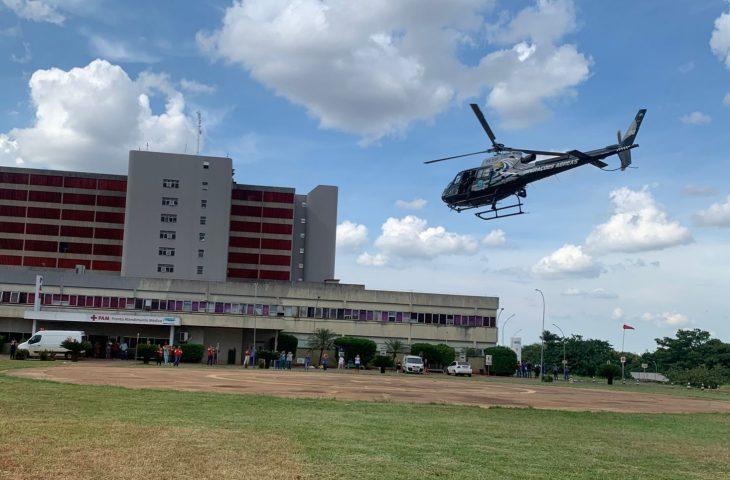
(308, 92)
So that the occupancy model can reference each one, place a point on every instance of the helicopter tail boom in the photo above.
(628, 139)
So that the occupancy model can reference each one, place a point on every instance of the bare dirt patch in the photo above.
(372, 387)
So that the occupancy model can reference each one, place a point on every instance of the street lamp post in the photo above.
(504, 325)
(564, 362)
(542, 340)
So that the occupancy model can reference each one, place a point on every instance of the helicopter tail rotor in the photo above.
(628, 139)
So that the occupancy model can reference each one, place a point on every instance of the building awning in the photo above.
(101, 317)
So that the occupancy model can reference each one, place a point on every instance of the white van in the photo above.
(50, 341)
(413, 364)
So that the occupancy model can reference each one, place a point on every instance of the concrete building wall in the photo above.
(198, 179)
(299, 240)
(321, 230)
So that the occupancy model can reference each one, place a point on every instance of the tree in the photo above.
(394, 346)
(357, 346)
(285, 342)
(436, 355)
(322, 339)
(504, 361)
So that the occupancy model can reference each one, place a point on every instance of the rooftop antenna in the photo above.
(200, 132)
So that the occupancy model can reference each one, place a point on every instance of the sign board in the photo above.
(516, 346)
(644, 366)
(623, 359)
(488, 360)
(102, 317)
(383, 350)
(462, 357)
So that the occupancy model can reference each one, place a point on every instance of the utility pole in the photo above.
(504, 325)
(564, 362)
(542, 340)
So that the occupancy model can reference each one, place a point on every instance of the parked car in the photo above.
(50, 341)
(459, 368)
(412, 364)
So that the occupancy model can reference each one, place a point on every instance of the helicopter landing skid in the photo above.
(509, 211)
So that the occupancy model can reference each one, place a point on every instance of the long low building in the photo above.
(235, 315)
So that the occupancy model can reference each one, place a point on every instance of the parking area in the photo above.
(369, 387)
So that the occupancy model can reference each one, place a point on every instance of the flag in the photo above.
(628, 327)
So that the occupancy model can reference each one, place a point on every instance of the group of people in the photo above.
(528, 370)
(212, 355)
(284, 361)
(169, 355)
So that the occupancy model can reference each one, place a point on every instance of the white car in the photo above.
(459, 368)
(50, 341)
(412, 364)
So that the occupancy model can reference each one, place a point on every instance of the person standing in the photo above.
(253, 355)
(289, 360)
(325, 361)
(123, 349)
(13, 349)
(566, 373)
(158, 357)
(246, 359)
(357, 363)
(307, 361)
(282, 360)
(341, 361)
(210, 355)
(166, 353)
(108, 350)
(178, 356)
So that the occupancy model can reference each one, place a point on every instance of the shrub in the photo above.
(22, 354)
(285, 342)
(436, 355)
(147, 351)
(504, 361)
(192, 352)
(383, 361)
(699, 376)
(266, 356)
(75, 347)
(609, 371)
(357, 346)
(45, 356)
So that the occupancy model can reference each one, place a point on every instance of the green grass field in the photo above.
(55, 430)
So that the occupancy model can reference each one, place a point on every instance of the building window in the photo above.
(206, 165)
(304, 220)
(301, 250)
(200, 269)
(169, 201)
(171, 183)
(167, 235)
(165, 268)
(201, 253)
(203, 220)
(304, 204)
(201, 236)
(168, 218)
(205, 185)
(166, 251)
(204, 204)
(301, 265)
(301, 235)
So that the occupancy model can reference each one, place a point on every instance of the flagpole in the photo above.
(623, 340)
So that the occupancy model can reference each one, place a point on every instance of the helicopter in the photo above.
(510, 170)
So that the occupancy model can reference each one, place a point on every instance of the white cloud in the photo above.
(351, 236)
(368, 260)
(495, 238)
(718, 215)
(696, 118)
(686, 67)
(638, 224)
(598, 293)
(411, 237)
(415, 204)
(691, 190)
(617, 313)
(720, 40)
(373, 71)
(25, 57)
(36, 10)
(568, 261)
(89, 118)
(674, 319)
(726, 100)
(118, 51)
(195, 87)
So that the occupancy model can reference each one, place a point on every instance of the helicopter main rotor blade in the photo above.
(536, 152)
(483, 121)
(457, 156)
